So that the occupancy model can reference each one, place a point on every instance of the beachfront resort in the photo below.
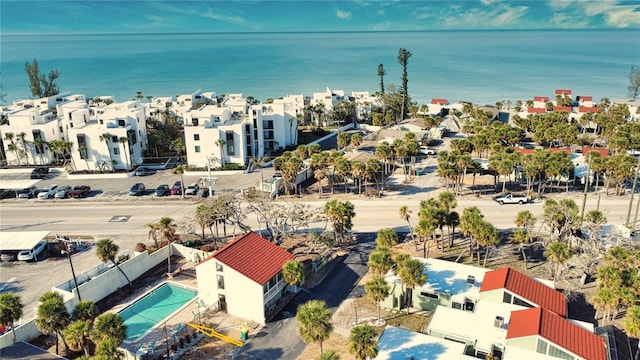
(505, 313)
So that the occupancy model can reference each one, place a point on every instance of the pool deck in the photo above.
(224, 323)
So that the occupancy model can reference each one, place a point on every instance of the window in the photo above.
(219, 267)
(428, 295)
(196, 137)
(556, 352)
(520, 302)
(506, 298)
(231, 149)
(121, 122)
(220, 281)
(82, 147)
(542, 347)
(116, 151)
(197, 148)
(114, 139)
(456, 305)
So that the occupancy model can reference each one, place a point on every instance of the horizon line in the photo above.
(3, 33)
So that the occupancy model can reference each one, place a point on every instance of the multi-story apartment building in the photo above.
(30, 125)
(236, 131)
(115, 134)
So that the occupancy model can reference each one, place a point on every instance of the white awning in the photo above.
(20, 240)
(18, 184)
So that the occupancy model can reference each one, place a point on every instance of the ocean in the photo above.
(479, 66)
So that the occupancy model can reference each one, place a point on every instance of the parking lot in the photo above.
(115, 188)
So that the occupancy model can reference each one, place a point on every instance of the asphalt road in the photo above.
(279, 339)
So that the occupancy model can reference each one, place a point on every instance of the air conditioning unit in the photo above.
(499, 322)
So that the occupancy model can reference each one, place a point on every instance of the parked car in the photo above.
(7, 194)
(48, 192)
(39, 172)
(7, 255)
(192, 189)
(142, 171)
(32, 254)
(176, 189)
(163, 190)
(79, 191)
(427, 151)
(509, 198)
(137, 189)
(28, 193)
(62, 192)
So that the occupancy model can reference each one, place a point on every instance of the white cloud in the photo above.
(225, 18)
(499, 15)
(568, 21)
(344, 15)
(624, 16)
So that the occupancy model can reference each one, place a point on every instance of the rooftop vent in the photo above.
(471, 281)
(498, 322)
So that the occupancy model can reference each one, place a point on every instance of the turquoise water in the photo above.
(479, 66)
(151, 309)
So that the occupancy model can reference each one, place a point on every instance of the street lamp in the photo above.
(73, 273)
(210, 180)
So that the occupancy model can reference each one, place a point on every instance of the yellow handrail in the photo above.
(212, 333)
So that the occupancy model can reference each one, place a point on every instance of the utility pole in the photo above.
(586, 189)
(633, 191)
(73, 273)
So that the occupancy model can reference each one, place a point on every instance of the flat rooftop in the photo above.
(448, 277)
(20, 240)
(401, 344)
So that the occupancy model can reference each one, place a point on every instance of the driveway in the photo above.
(279, 339)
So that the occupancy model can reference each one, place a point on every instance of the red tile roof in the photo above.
(253, 256)
(559, 331)
(532, 290)
(563, 92)
(536, 110)
(587, 149)
(439, 101)
(591, 109)
(585, 98)
(541, 98)
(562, 108)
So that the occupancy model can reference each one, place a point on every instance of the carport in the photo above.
(13, 242)
(17, 185)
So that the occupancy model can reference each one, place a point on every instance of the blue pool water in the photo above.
(146, 312)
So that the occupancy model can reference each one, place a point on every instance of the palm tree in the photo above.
(631, 322)
(403, 59)
(362, 342)
(108, 350)
(124, 141)
(328, 355)
(10, 310)
(387, 238)
(410, 272)
(293, 272)
(405, 214)
(78, 335)
(106, 137)
(85, 310)
(380, 261)
(521, 237)
(40, 144)
(52, 316)
(314, 322)
(381, 74)
(221, 143)
(106, 250)
(24, 144)
(558, 254)
(154, 228)
(377, 290)
(260, 163)
(109, 327)
(341, 214)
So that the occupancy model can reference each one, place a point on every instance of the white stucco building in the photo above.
(244, 278)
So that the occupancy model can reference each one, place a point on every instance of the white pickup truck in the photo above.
(510, 198)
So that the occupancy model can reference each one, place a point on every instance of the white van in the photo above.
(33, 253)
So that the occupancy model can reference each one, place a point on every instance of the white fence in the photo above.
(98, 283)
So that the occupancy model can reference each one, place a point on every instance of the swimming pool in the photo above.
(152, 308)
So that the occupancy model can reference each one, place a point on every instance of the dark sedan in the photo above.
(137, 189)
(163, 190)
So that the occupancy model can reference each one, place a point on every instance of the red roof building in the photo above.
(603, 152)
(254, 257)
(586, 109)
(541, 98)
(558, 331)
(439, 101)
(563, 92)
(533, 110)
(244, 278)
(530, 290)
(562, 108)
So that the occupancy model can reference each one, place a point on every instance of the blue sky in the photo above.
(147, 16)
